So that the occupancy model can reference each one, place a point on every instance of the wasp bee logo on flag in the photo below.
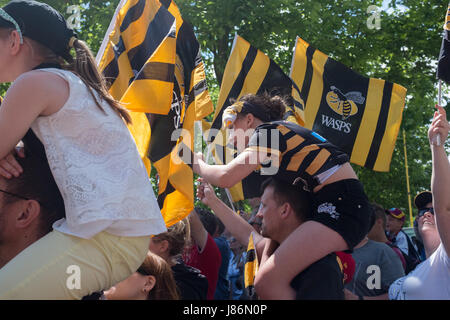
(344, 104)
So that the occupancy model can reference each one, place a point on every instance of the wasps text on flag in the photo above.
(174, 132)
(249, 70)
(443, 70)
(360, 115)
(250, 267)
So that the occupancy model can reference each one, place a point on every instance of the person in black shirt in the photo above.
(283, 209)
(191, 284)
(298, 156)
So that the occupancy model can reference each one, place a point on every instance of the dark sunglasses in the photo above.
(425, 210)
(143, 271)
(20, 197)
(14, 195)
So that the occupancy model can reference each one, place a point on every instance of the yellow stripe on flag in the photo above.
(313, 103)
(251, 267)
(368, 125)
(392, 128)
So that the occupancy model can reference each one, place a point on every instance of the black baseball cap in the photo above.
(422, 199)
(39, 22)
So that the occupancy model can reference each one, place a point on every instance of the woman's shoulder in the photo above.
(41, 82)
(42, 77)
(49, 89)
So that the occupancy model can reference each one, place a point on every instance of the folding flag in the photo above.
(360, 115)
(153, 62)
(137, 58)
(443, 71)
(175, 131)
(249, 70)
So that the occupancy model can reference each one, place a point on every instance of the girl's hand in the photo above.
(9, 167)
(439, 126)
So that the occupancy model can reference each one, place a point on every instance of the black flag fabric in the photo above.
(360, 115)
(443, 71)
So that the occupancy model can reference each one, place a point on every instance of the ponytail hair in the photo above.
(85, 67)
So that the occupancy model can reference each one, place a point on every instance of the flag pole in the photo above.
(208, 159)
(438, 136)
(105, 41)
(407, 180)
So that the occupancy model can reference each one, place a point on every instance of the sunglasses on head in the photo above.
(425, 210)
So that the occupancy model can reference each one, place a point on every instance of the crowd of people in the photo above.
(71, 195)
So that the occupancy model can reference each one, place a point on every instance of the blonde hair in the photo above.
(178, 236)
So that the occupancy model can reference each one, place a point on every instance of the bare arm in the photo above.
(235, 224)
(440, 180)
(226, 176)
(198, 231)
(31, 95)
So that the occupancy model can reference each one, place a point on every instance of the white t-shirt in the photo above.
(429, 281)
(97, 167)
(401, 242)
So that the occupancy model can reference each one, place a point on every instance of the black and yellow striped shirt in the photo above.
(301, 154)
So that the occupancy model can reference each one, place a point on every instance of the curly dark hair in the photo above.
(273, 105)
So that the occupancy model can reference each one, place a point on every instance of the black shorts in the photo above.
(344, 207)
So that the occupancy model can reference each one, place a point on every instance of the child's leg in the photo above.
(339, 221)
(59, 266)
(309, 243)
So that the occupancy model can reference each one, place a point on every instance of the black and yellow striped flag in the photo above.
(250, 267)
(174, 132)
(249, 70)
(153, 62)
(139, 57)
(360, 115)
(138, 60)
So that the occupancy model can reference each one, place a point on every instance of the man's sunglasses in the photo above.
(14, 195)
(425, 210)
(20, 197)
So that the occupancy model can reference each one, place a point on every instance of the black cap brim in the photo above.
(6, 24)
(422, 199)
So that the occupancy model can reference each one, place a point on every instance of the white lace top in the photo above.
(97, 168)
